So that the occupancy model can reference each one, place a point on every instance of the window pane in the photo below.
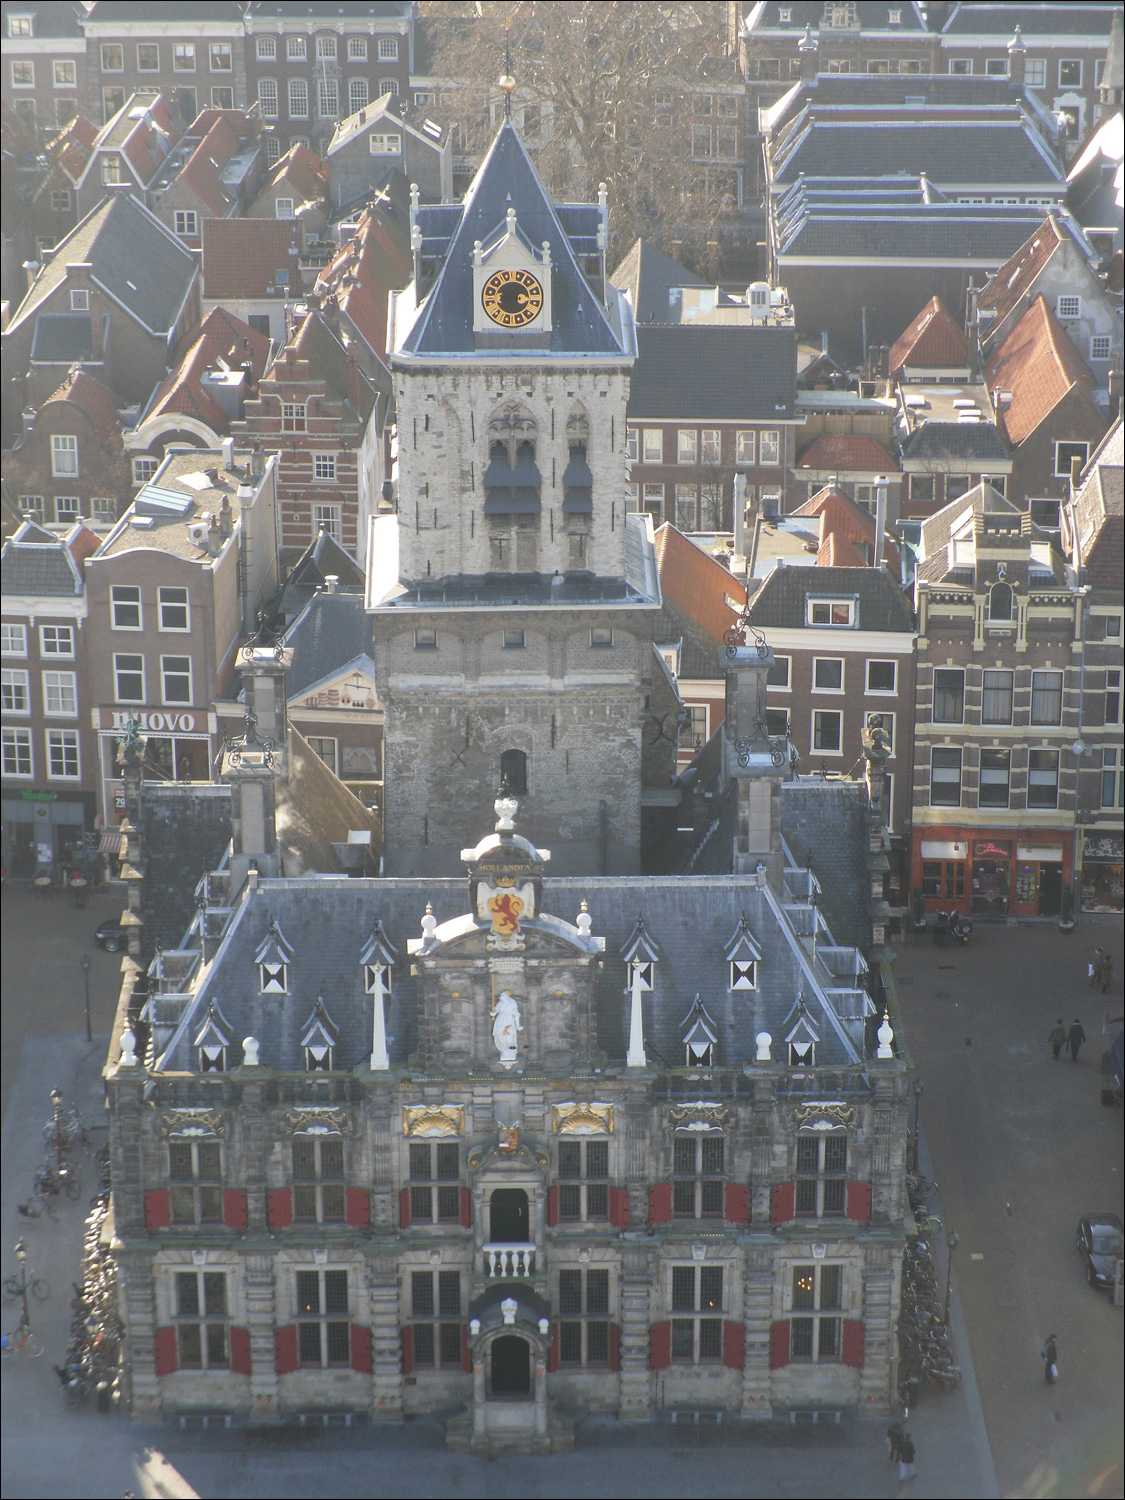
(304, 1158)
(217, 1344)
(597, 1201)
(683, 1339)
(996, 698)
(831, 1279)
(804, 1285)
(570, 1293)
(570, 1201)
(332, 1158)
(806, 1195)
(712, 1154)
(597, 1159)
(710, 1338)
(422, 1294)
(211, 1205)
(420, 1163)
(683, 1198)
(881, 676)
(449, 1293)
(424, 1344)
(808, 1153)
(183, 1205)
(421, 1204)
(834, 1190)
(683, 1156)
(829, 673)
(710, 1287)
(949, 695)
(448, 1162)
(449, 1203)
(335, 1292)
(711, 1198)
(187, 1294)
(597, 1292)
(836, 1153)
(570, 1159)
(308, 1292)
(332, 1201)
(1046, 697)
(179, 1160)
(683, 1288)
(570, 1343)
(304, 1202)
(191, 1346)
(308, 1343)
(451, 1343)
(801, 1338)
(829, 1340)
(597, 1343)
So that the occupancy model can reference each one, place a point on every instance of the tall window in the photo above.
(744, 446)
(711, 446)
(653, 445)
(174, 610)
(995, 778)
(148, 57)
(513, 771)
(327, 98)
(1043, 778)
(687, 444)
(298, 98)
(583, 1304)
(827, 736)
(996, 697)
(1113, 778)
(949, 695)
(817, 1289)
(822, 1170)
(322, 1318)
(357, 94)
(697, 1290)
(129, 678)
(1112, 709)
(296, 49)
(828, 674)
(267, 98)
(221, 57)
(1046, 697)
(183, 57)
(325, 747)
(202, 1338)
(17, 752)
(125, 603)
(698, 1176)
(328, 517)
(175, 679)
(318, 1180)
(64, 456)
(882, 676)
(583, 1180)
(266, 48)
(435, 1182)
(434, 1296)
(769, 447)
(196, 1173)
(324, 466)
(945, 776)
(60, 694)
(13, 640)
(357, 49)
(388, 49)
(113, 57)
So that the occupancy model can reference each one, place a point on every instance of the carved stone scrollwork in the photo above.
(698, 1116)
(192, 1122)
(823, 1115)
(582, 1119)
(501, 1150)
(433, 1119)
(316, 1121)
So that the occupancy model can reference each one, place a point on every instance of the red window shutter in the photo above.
(782, 1201)
(357, 1207)
(279, 1209)
(234, 1208)
(164, 1349)
(859, 1201)
(466, 1209)
(660, 1346)
(779, 1345)
(285, 1350)
(552, 1207)
(734, 1346)
(660, 1203)
(361, 1349)
(408, 1350)
(619, 1208)
(240, 1351)
(852, 1352)
(466, 1352)
(737, 1207)
(553, 1351)
(404, 1208)
(158, 1211)
(614, 1347)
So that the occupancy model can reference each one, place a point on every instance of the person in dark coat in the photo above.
(1050, 1357)
(1057, 1038)
(894, 1441)
(1074, 1039)
(1105, 972)
(906, 1469)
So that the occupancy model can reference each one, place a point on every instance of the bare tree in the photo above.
(606, 91)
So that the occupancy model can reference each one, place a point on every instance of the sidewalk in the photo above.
(50, 1451)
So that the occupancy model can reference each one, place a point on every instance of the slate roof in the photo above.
(780, 601)
(37, 562)
(1099, 511)
(647, 275)
(824, 824)
(813, 225)
(966, 152)
(946, 441)
(140, 11)
(444, 321)
(1033, 20)
(727, 374)
(330, 9)
(955, 522)
(697, 585)
(323, 557)
(55, 18)
(333, 632)
(871, 14)
(242, 257)
(933, 341)
(185, 832)
(1039, 365)
(62, 339)
(847, 452)
(136, 261)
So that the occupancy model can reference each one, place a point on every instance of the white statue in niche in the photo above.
(506, 1026)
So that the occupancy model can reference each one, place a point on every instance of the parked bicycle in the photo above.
(22, 1339)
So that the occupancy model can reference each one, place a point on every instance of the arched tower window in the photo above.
(1000, 602)
(513, 771)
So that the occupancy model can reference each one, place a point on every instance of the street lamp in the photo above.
(84, 965)
(951, 1245)
(918, 1087)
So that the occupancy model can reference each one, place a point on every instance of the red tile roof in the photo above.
(1017, 276)
(96, 400)
(221, 336)
(72, 147)
(849, 453)
(837, 552)
(1039, 365)
(203, 168)
(241, 257)
(933, 341)
(301, 170)
(849, 524)
(366, 267)
(696, 583)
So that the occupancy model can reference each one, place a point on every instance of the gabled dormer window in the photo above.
(319, 1040)
(743, 955)
(699, 1036)
(801, 1037)
(273, 959)
(378, 960)
(212, 1041)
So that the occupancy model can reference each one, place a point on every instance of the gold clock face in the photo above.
(512, 298)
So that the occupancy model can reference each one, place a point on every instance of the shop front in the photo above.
(44, 834)
(1103, 861)
(178, 747)
(992, 876)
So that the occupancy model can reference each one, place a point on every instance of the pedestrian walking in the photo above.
(1094, 966)
(906, 1469)
(1050, 1357)
(1057, 1038)
(1074, 1039)
(1105, 972)
(894, 1441)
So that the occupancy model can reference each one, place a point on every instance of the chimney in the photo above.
(97, 324)
(31, 270)
(331, 583)
(226, 517)
(807, 52)
(1017, 57)
(353, 373)
(262, 759)
(214, 536)
(752, 760)
(740, 518)
(880, 520)
(228, 454)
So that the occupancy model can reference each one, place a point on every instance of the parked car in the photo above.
(1099, 1241)
(111, 936)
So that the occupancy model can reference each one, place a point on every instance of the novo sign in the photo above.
(168, 723)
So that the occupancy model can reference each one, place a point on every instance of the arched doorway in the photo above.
(509, 1220)
(510, 1367)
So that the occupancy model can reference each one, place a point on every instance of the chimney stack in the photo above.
(1017, 57)
(807, 51)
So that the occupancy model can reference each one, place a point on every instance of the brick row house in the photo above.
(68, 463)
(44, 65)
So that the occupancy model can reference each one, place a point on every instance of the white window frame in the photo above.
(63, 445)
(13, 640)
(67, 79)
(824, 713)
(109, 49)
(15, 685)
(60, 694)
(183, 57)
(1070, 62)
(168, 673)
(187, 222)
(711, 446)
(787, 686)
(388, 49)
(835, 691)
(1068, 307)
(745, 446)
(687, 445)
(327, 99)
(68, 508)
(294, 416)
(1101, 347)
(1035, 73)
(833, 604)
(891, 692)
(296, 49)
(358, 95)
(425, 639)
(219, 51)
(946, 778)
(52, 639)
(79, 299)
(16, 751)
(388, 86)
(298, 97)
(144, 468)
(103, 508)
(769, 439)
(63, 745)
(132, 656)
(328, 516)
(996, 67)
(283, 208)
(326, 49)
(631, 445)
(21, 26)
(185, 604)
(316, 741)
(130, 602)
(265, 49)
(1069, 443)
(357, 49)
(652, 445)
(269, 100)
(61, 203)
(384, 143)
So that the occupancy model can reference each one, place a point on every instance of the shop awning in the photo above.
(110, 843)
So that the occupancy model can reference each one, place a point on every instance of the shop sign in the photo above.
(168, 723)
(1109, 850)
(1049, 854)
(26, 796)
(119, 799)
(992, 849)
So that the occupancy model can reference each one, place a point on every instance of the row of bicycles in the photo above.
(59, 1176)
(926, 1357)
(93, 1357)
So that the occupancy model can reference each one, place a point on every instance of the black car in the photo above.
(111, 935)
(1100, 1246)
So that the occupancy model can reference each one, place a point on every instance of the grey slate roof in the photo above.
(825, 826)
(939, 441)
(55, 18)
(924, 232)
(332, 633)
(185, 831)
(967, 152)
(323, 558)
(444, 324)
(647, 274)
(1033, 20)
(872, 16)
(781, 599)
(62, 338)
(530, 589)
(37, 562)
(743, 373)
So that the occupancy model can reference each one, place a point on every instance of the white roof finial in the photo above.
(886, 1037)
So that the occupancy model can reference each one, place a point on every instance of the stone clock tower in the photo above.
(514, 594)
